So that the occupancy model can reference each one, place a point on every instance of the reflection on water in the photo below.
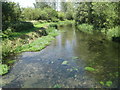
(45, 69)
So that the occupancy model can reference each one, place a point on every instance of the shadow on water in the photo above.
(62, 64)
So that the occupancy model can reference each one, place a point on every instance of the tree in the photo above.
(82, 13)
(11, 12)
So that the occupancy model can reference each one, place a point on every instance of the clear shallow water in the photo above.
(44, 69)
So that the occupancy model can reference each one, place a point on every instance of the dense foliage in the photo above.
(11, 12)
(21, 26)
(39, 14)
(102, 15)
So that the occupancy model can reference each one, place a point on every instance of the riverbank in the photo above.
(34, 39)
(73, 59)
(112, 34)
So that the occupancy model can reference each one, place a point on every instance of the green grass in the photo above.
(38, 44)
(8, 47)
(41, 25)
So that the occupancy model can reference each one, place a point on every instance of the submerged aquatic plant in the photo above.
(89, 69)
(64, 62)
(57, 86)
(102, 83)
(107, 83)
(75, 57)
(11, 61)
(72, 69)
(3, 69)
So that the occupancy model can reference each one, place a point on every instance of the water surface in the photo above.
(44, 69)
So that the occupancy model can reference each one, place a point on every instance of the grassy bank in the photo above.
(33, 39)
(111, 34)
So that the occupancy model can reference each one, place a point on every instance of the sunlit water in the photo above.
(44, 69)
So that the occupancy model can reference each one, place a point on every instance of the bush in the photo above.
(5, 25)
(40, 14)
(69, 16)
(53, 25)
(113, 33)
(21, 26)
(86, 28)
(11, 12)
(61, 16)
(55, 19)
(7, 48)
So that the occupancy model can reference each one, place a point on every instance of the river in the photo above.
(45, 69)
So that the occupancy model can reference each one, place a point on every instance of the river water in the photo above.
(45, 69)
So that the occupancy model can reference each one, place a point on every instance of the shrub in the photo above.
(21, 26)
(61, 16)
(55, 19)
(7, 48)
(11, 12)
(53, 25)
(114, 32)
(86, 28)
(69, 16)
(5, 25)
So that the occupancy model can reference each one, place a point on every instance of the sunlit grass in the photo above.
(38, 44)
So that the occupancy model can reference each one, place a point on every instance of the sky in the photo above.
(25, 3)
